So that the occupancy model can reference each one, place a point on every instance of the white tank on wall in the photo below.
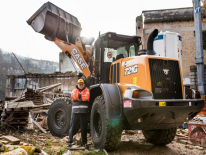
(169, 44)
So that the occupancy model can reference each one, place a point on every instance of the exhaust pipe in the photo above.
(150, 50)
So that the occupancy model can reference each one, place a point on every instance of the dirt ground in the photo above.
(131, 144)
(136, 144)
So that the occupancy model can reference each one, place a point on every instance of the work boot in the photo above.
(70, 144)
(86, 146)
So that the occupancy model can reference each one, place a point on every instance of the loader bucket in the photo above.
(52, 22)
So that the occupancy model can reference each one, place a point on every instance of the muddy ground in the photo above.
(130, 144)
(136, 144)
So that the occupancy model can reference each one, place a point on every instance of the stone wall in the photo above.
(17, 84)
(65, 63)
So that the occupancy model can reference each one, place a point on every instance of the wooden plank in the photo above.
(8, 98)
(38, 103)
(48, 86)
(44, 131)
(20, 104)
(19, 98)
(18, 123)
(12, 139)
(49, 100)
(43, 105)
(40, 89)
(38, 111)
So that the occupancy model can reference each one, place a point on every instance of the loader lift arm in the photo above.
(76, 52)
(64, 30)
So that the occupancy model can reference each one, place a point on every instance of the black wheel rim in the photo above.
(60, 118)
(97, 123)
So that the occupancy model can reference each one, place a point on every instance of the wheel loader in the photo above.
(130, 89)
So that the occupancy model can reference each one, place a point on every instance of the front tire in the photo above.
(59, 116)
(104, 134)
(160, 137)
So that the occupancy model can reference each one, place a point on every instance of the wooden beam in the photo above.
(20, 104)
(44, 131)
(38, 111)
(42, 105)
(12, 139)
(40, 89)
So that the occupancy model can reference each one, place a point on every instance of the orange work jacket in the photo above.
(80, 102)
(85, 94)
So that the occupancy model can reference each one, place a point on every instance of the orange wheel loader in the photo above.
(129, 90)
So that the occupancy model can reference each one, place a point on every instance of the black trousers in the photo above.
(83, 124)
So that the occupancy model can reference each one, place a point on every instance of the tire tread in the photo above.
(166, 136)
(113, 133)
(50, 122)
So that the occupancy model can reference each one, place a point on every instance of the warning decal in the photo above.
(109, 55)
(128, 104)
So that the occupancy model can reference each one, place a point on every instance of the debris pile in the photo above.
(193, 139)
(35, 96)
(131, 143)
(34, 102)
(12, 145)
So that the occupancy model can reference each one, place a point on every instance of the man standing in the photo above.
(80, 97)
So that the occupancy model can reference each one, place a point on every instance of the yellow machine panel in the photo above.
(136, 71)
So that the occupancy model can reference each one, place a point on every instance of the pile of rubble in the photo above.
(32, 103)
(183, 137)
(35, 96)
(12, 145)
(132, 142)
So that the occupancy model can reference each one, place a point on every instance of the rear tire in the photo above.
(104, 134)
(59, 116)
(160, 137)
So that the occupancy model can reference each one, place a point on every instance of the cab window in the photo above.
(113, 54)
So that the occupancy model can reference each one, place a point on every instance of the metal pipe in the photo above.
(199, 47)
(19, 63)
(150, 40)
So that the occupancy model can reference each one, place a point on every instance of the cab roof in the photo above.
(119, 37)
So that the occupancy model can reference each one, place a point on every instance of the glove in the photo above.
(80, 97)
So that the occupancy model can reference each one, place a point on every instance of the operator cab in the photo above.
(110, 47)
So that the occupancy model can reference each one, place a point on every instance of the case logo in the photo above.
(78, 58)
(166, 71)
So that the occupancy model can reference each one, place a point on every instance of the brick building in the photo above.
(179, 20)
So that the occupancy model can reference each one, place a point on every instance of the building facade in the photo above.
(179, 20)
(65, 63)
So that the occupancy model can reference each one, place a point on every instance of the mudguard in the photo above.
(112, 97)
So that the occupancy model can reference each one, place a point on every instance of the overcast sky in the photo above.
(94, 15)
